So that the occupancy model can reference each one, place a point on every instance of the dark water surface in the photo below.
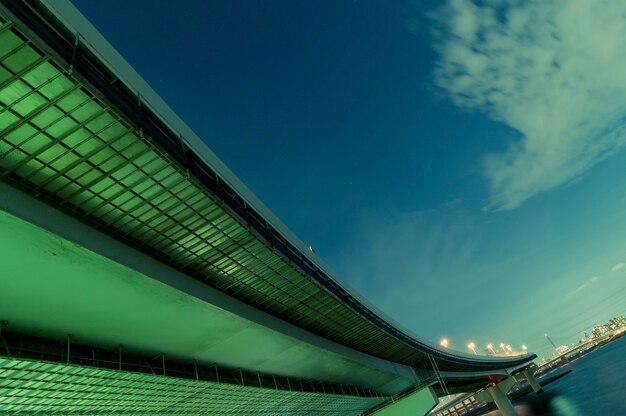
(596, 386)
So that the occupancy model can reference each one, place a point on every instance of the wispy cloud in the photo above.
(553, 71)
(586, 284)
(617, 267)
(405, 259)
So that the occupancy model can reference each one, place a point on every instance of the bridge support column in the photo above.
(417, 403)
(532, 381)
(502, 401)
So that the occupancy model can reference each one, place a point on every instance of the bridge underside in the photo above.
(56, 287)
(53, 287)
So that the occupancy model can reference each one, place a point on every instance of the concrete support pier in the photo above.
(420, 402)
(502, 401)
(532, 381)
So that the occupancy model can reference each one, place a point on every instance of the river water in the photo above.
(596, 387)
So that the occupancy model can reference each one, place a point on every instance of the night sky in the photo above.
(461, 167)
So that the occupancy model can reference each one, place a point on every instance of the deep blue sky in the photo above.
(363, 126)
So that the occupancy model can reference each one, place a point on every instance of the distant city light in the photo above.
(524, 347)
(444, 342)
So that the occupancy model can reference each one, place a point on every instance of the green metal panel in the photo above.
(28, 387)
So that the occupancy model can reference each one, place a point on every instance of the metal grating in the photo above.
(69, 351)
(28, 387)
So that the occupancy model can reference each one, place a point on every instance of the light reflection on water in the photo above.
(596, 387)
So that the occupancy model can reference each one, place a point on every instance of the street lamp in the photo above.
(490, 348)
(444, 342)
(472, 347)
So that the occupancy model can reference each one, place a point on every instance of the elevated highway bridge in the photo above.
(140, 276)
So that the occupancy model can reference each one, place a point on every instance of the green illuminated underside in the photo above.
(52, 287)
(27, 387)
(60, 140)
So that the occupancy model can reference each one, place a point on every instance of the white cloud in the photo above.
(618, 266)
(586, 284)
(553, 71)
(405, 259)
